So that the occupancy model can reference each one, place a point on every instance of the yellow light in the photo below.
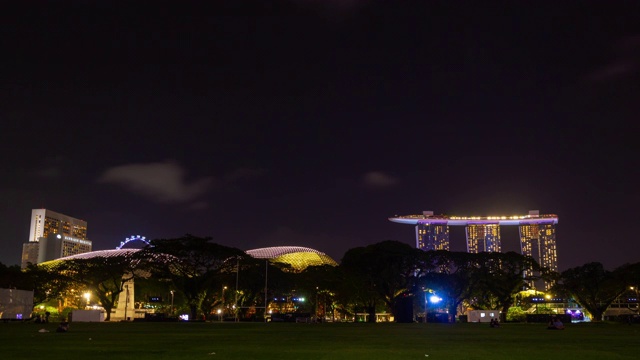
(87, 296)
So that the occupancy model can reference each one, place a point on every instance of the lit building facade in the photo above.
(483, 237)
(53, 235)
(432, 235)
(539, 242)
(537, 233)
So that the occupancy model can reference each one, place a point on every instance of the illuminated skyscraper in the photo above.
(432, 234)
(483, 237)
(53, 235)
(539, 242)
(537, 234)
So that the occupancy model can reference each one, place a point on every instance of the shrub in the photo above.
(516, 314)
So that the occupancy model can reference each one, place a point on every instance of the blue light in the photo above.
(435, 299)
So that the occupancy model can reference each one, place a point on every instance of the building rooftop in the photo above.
(428, 217)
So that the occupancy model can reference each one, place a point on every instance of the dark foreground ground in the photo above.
(155, 341)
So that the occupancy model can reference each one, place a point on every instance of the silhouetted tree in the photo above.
(47, 282)
(449, 274)
(12, 277)
(195, 265)
(104, 276)
(593, 287)
(320, 284)
(382, 271)
(502, 275)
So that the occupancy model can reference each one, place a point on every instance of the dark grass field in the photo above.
(147, 341)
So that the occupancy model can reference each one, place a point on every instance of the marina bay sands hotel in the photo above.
(537, 233)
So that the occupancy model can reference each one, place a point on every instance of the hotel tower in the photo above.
(537, 233)
(53, 235)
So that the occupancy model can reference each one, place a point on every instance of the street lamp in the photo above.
(222, 301)
(425, 306)
(316, 303)
(223, 289)
(171, 291)
(87, 296)
(635, 288)
(235, 300)
(547, 297)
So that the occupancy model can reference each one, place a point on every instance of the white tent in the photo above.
(483, 316)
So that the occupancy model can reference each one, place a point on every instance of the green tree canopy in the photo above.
(449, 275)
(104, 276)
(593, 287)
(382, 271)
(195, 265)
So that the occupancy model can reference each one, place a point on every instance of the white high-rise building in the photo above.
(53, 235)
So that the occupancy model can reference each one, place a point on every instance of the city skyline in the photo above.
(309, 123)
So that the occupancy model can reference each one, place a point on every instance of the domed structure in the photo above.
(101, 253)
(91, 255)
(297, 256)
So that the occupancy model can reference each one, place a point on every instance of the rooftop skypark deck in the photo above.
(466, 220)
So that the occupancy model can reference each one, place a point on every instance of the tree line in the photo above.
(388, 276)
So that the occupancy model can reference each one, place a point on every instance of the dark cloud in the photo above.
(163, 182)
(242, 174)
(49, 171)
(378, 179)
(625, 62)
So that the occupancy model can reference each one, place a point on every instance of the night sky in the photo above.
(311, 122)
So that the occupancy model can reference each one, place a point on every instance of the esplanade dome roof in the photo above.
(100, 253)
(297, 256)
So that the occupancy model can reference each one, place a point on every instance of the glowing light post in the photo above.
(316, 303)
(425, 306)
(435, 299)
(635, 288)
(87, 296)
(266, 271)
(220, 315)
(223, 302)
(235, 304)
(171, 291)
(547, 298)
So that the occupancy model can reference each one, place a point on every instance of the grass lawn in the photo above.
(142, 341)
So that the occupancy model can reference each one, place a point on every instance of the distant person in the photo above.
(63, 327)
(555, 324)
(46, 316)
